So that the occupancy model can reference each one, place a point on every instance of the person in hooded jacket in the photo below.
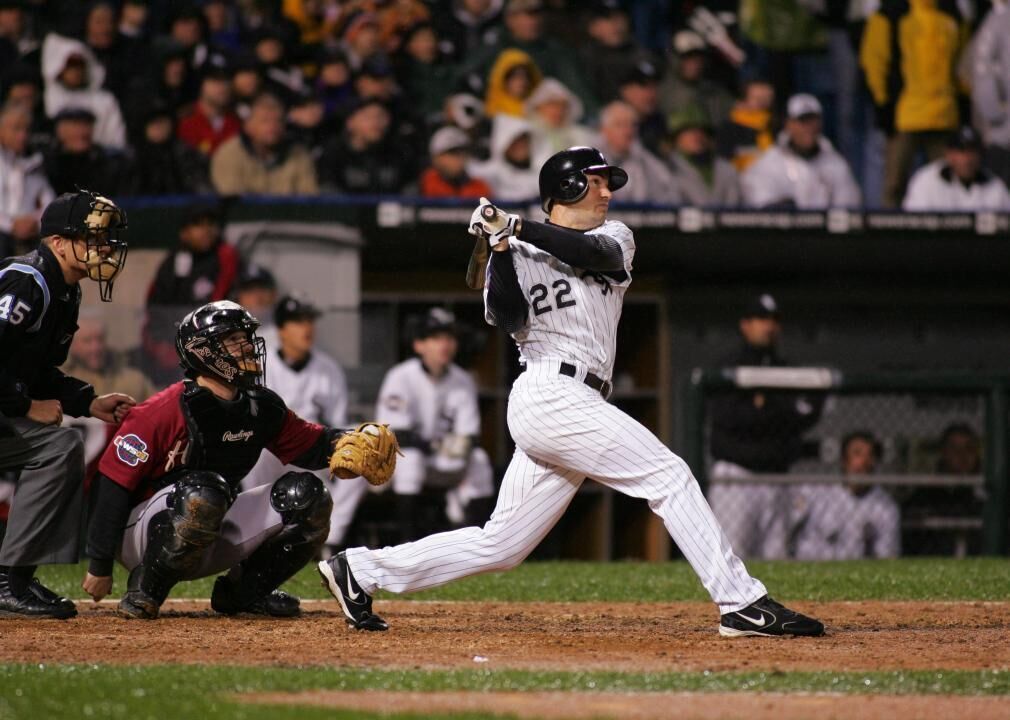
(510, 170)
(73, 79)
(554, 111)
(512, 80)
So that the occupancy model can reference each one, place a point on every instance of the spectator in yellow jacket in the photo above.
(909, 53)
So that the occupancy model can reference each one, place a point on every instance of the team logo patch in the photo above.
(131, 449)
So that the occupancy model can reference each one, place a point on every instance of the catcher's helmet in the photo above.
(99, 222)
(563, 176)
(200, 343)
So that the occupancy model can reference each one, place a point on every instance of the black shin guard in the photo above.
(179, 535)
(304, 505)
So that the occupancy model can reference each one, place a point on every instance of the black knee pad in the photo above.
(198, 506)
(301, 498)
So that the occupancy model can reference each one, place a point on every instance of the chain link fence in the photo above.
(809, 464)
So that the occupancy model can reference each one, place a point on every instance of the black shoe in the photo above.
(275, 604)
(138, 605)
(355, 602)
(47, 595)
(30, 604)
(768, 618)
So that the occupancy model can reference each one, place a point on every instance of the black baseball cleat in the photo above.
(275, 604)
(355, 602)
(768, 618)
(33, 602)
(47, 595)
(138, 605)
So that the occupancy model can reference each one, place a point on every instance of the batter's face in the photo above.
(761, 332)
(591, 210)
(437, 351)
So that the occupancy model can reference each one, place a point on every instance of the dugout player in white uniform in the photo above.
(431, 403)
(558, 289)
(314, 386)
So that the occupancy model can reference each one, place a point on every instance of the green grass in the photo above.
(137, 693)
(907, 579)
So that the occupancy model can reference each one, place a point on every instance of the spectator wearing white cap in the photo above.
(802, 170)
(957, 182)
(449, 149)
(554, 111)
(684, 84)
(649, 180)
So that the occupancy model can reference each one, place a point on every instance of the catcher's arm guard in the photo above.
(369, 450)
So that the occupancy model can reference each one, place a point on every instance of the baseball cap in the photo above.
(803, 105)
(764, 305)
(436, 320)
(640, 73)
(687, 41)
(447, 139)
(604, 8)
(291, 308)
(64, 212)
(691, 115)
(964, 138)
(255, 276)
(203, 212)
(517, 6)
(75, 113)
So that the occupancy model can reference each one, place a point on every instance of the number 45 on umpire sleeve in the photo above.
(13, 310)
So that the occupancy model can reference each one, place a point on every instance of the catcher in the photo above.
(166, 503)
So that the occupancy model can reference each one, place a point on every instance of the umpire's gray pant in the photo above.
(47, 509)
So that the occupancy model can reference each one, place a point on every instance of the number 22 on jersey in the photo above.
(562, 296)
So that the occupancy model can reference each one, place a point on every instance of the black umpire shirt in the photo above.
(38, 319)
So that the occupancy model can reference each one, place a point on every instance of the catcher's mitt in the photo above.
(369, 450)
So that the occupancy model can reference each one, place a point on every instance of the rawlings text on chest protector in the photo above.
(228, 436)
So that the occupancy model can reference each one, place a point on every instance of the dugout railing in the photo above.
(905, 411)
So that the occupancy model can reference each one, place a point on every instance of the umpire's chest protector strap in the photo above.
(227, 436)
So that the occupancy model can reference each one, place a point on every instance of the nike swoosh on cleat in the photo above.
(760, 622)
(350, 587)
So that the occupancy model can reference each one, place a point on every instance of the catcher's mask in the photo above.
(220, 340)
(85, 216)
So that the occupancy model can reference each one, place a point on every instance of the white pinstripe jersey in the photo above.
(573, 313)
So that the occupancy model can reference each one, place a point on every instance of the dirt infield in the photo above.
(560, 636)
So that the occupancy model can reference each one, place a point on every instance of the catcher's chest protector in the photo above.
(227, 437)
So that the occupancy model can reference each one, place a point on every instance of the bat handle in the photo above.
(490, 212)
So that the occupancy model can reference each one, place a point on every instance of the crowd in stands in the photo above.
(752, 103)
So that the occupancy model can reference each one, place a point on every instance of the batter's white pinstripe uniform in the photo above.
(317, 392)
(565, 431)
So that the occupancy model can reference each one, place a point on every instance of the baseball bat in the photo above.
(477, 266)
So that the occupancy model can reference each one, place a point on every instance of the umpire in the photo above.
(40, 296)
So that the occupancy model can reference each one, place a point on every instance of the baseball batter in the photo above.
(558, 289)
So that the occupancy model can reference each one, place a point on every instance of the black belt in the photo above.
(601, 386)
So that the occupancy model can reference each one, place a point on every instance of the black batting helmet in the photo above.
(563, 176)
(200, 343)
